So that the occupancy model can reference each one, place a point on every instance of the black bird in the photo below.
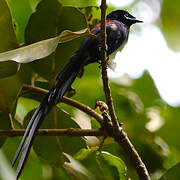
(117, 28)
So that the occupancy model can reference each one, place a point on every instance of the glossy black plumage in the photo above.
(117, 28)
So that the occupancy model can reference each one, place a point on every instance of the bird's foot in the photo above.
(71, 92)
(106, 48)
(81, 72)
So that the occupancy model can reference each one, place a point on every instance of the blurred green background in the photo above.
(145, 90)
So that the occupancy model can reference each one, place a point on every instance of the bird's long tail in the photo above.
(63, 81)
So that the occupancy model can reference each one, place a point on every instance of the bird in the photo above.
(118, 24)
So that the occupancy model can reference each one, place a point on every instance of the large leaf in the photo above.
(24, 106)
(8, 68)
(49, 20)
(9, 88)
(8, 40)
(51, 153)
(173, 173)
(40, 49)
(56, 145)
(21, 11)
(33, 164)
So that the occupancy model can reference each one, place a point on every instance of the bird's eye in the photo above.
(126, 16)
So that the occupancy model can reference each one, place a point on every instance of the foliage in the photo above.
(138, 104)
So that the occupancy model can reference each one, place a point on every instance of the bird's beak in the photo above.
(137, 21)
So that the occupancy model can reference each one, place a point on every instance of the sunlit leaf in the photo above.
(84, 153)
(79, 3)
(24, 106)
(69, 35)
(21, 11)
(40, 49)
(49, 20)
(6, 171)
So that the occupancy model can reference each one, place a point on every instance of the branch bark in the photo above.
(111, 124)
(54, 132)
(107, 90)
(123, 140)
(68, 101)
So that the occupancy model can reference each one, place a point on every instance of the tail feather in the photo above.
(29, 140)
(63, 81)
(25, 136)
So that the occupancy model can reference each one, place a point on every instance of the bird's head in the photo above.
(124, 17)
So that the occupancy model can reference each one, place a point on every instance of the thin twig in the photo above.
(55, 132)
(107, 90)
(91, 35)
(68, 101)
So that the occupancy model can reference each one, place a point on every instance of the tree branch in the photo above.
(122, 139)
(55, 132)
(107, 90)
(68, 101)
(111, 124)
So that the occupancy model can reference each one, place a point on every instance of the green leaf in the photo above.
(76, 169)
(67, 35)
(8, 40)
(91, 76)
(7, 34)
(114, 161)
(171, 126)
(6, 171)
(21, 11)
(40, 49)
(33, 164)
(65, 121)
(8, 68)
(53, 152)
(79, 3)
(32, 52)
(9, 88)
(170, 25)
(103, 165)
(24, 106)
(84, 153)
(49, 20)
(145, 85)
(172, 173)
(56, 145)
